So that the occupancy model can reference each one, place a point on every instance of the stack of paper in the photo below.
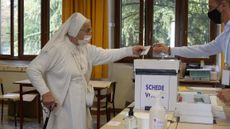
(194, 108)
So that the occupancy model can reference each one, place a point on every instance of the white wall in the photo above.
(123, 75)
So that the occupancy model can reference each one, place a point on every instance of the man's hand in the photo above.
(224, 95)
(48, 101)
(160, 47)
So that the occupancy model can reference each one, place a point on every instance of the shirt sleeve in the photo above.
(104, 56)
(38, 67)
(208, 49)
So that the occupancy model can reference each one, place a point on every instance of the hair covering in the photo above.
(71, 27)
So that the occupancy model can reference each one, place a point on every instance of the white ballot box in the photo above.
(156, 75)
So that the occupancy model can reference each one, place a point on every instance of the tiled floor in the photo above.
(8, 122)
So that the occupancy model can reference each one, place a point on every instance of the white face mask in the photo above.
(85, 41)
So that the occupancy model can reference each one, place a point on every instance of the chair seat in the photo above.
(16, 97)
(29, 97)
(10, 96)
(102, 106)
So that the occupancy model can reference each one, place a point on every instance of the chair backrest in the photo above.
(111, 92)
(107, 94)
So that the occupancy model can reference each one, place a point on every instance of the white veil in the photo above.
(72, 26)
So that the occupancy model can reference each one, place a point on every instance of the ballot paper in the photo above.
(146, 50)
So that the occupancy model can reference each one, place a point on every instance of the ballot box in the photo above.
(156, 75)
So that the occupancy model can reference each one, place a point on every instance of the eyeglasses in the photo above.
(89, 30)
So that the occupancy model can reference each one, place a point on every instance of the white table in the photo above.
(118, 121)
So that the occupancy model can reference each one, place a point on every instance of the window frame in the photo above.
(117, 29)
(181, 27)
(45, 25)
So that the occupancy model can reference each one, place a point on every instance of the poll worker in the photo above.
(219, 12)
(62, 70)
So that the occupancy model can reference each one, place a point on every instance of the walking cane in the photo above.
(47, 120)
(47, 112)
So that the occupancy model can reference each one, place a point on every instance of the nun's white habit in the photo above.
(64, 69)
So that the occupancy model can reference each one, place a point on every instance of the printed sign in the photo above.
(154, 83)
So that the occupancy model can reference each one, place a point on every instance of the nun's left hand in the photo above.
(137, 50)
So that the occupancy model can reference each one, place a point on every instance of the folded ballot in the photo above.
(146, 50)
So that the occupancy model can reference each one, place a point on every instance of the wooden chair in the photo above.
(107, 101)
(14, 97)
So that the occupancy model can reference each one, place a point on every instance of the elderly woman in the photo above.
(62, 70)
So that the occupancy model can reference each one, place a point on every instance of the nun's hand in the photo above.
(48, 101)
(137, 50)
(224, 95)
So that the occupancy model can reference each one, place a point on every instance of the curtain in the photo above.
(97, 12)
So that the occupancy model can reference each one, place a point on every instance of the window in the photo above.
(55, 15)
(174, 22)
(130, 22)
(164, 21)
(198, 32)
(26, 26)
(32, 27)
(5, 27)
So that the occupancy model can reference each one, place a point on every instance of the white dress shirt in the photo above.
(220, 44)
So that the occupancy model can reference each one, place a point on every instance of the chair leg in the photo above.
(15, 114)
(107, 111)
(114, 110)
(39, 109)
(2, 111)
(108, 114)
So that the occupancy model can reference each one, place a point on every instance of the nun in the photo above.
(62, 70)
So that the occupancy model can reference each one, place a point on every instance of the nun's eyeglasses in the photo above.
(89, 30)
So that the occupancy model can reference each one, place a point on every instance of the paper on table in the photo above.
(114, 123)
(146, 50)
